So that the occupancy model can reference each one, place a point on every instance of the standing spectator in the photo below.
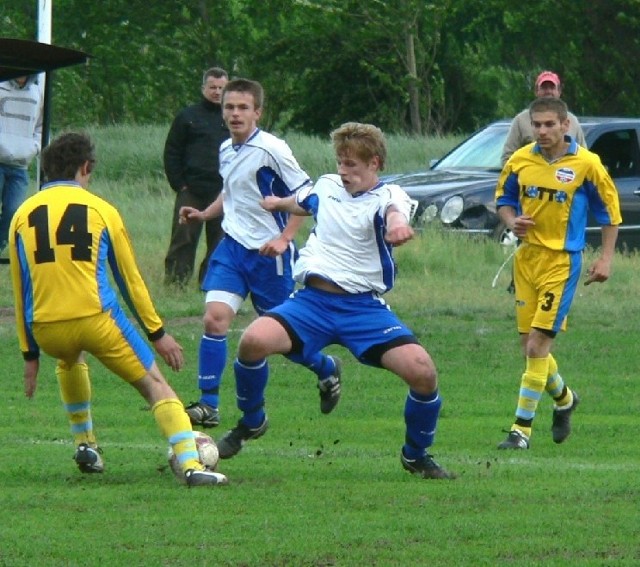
(520, 134)
(346, 266)
(544, 195)
(256, 255)
(20, 139)
(62, 243)
(191, 165)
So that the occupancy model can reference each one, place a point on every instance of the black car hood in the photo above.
(436, 181)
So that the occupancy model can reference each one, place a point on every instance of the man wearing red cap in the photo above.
(547, 85)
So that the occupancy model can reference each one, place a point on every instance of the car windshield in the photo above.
(481, 151)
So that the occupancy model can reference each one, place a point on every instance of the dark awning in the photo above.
(20, 57)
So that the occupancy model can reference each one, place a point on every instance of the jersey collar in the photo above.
(360, 193)
(237, 147)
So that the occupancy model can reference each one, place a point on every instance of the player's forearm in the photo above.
(395, 219)
(288, 205)
(507, 215)
(294, 224)
(609, 237)
(214, 210)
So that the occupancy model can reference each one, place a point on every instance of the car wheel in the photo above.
(505, 236)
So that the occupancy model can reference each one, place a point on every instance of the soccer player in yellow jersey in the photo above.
(544, 194)
(63, 241)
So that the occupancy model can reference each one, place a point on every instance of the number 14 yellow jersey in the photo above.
(62, 242)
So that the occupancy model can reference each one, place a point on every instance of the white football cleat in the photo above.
(204, 478)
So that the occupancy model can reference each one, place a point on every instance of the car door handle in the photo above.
(637, 192)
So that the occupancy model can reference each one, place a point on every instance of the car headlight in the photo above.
(452, 210)
(429, 213)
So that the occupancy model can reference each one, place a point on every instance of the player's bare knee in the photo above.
(421, 375)
(252, 345)
(215, 323)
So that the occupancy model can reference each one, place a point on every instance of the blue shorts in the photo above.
(362, 323)
(235, 269)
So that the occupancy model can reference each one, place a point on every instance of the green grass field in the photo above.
(321, 490)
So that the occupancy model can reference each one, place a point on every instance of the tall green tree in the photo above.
(147, 57)
(407, 65)
(18, 19)
(353, 59)
(494, 49)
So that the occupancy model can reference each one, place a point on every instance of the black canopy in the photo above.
(19, 57)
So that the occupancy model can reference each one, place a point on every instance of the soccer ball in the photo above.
(207, 451)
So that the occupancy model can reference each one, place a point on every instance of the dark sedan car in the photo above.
(457, 192)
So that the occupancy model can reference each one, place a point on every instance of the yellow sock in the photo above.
(176, 427)
(75, 391)
(555, 386)
(532, 385)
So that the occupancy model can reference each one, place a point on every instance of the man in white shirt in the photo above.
(255, 257)
(20, 140)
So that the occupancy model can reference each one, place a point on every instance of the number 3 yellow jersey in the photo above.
(558, 195)
(62, 242)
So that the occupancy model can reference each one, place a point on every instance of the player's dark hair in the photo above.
(550, 104)
(62, 158)
(365, 141)
(246, 86)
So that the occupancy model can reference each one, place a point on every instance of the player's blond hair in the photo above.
(365, 141)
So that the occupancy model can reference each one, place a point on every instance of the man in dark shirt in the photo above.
(191, 166)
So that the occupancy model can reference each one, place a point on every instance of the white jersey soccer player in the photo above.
(345, 267)
(347, 246)
(263, 165)
(255, 258)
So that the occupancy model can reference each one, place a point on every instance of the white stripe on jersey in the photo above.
(263, 165)
(347, 245)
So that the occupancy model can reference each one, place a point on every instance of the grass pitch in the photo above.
(328, 490)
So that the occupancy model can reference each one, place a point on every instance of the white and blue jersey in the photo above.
(262, 166)
(347, 245)
(347, 248)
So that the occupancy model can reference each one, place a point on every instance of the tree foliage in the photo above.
(407, 65)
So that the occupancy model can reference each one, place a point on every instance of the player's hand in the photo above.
(274, 247)
(189, 214)
(398, 231)
(31, 368)
(521, 224)
(270, 203)
(170, 351)
(599, 271)
(399, 234)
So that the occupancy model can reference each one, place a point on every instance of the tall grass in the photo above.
(329, 490)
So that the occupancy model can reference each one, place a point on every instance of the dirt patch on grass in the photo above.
(6, 314)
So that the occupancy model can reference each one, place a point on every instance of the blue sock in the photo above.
(320, 364)
(421, 417)
(251, 382)
(211, 363)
